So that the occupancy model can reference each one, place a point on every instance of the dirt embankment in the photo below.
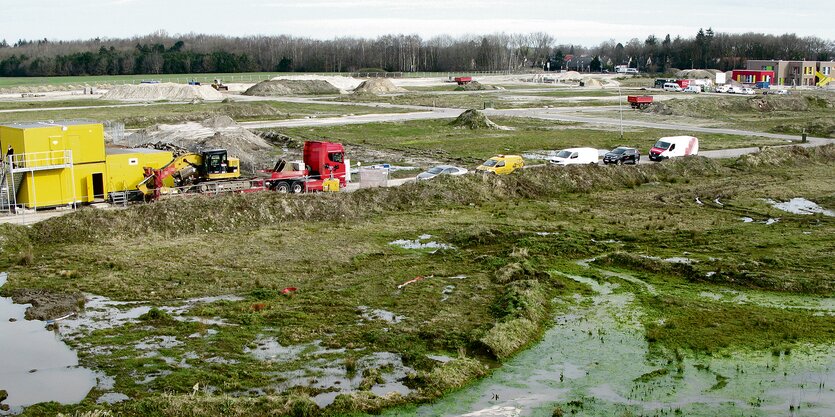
(476, 86)
(700, 107)
(291, 88)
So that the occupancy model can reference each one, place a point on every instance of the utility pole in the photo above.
(620, 100)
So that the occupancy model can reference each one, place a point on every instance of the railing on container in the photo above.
(33, 161)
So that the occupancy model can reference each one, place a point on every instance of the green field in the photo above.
(438, 139)
(514, 242)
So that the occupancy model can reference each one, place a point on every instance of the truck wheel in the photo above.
(282, 187)
(296, 188)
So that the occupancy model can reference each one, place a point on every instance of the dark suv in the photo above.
(622, 155)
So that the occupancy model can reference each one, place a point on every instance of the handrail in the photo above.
(35, 160)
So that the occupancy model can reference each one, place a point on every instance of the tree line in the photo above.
(160, 53)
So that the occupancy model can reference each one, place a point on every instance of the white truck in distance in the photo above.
(674, 146)
(575, 156)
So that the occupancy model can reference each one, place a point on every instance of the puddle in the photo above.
(332, 376)
(800, 206)
(422, 242)
(36, 365)
(112, 398)
(268, 349)
(103, 313)
(446, 292)
(766, 222)
(371, 314)
(586, 263)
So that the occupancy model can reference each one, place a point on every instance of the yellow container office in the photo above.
(64, 163)
(125, 167)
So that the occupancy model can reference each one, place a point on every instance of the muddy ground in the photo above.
(48, 305)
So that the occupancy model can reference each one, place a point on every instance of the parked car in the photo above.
(723, 88)
(732, 89)
(693, 88)
(575, 156)
(674, 146)
(501, 164)
(672, 87)
(622, 155)
(748, 91)
(441, 170)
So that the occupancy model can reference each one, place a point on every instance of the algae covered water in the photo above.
(595, 361)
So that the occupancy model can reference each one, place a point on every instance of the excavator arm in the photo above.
(181, 168)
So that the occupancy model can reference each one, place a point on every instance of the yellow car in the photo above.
(502, 164)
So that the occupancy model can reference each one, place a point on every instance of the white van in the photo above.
(673, 146)
(575, 156)
(672, 87)
(693, 88)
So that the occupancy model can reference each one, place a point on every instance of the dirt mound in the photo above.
(379, 86)
(695, 74)
(291, 88)
(345, 84)
(592, 82)
(213, 133)
(162, 91)
(474, 119)
(476, 86)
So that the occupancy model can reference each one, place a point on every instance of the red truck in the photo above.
(463, 80)
(639, 102)
(322, 161)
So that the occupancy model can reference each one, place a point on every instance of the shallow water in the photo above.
(35, 365)
(596, 354)
(800, 206)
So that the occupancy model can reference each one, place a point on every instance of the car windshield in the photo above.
(564, 154)
(662, 145)
(619, 150)
(490, 163)
(435, 170)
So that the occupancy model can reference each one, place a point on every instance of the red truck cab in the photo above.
(321, 160)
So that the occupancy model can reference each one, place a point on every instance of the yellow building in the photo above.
(66, 163)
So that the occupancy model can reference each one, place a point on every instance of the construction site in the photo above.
(332, 245)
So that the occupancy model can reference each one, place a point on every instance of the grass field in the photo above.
(482, 296)
(438, 139)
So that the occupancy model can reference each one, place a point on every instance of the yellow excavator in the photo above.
(823, 80)
(206, 171)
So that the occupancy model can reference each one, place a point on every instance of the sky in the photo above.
(577, 22)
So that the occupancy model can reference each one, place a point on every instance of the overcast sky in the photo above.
(579, 22)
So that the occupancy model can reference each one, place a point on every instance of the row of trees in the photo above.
(159, 53)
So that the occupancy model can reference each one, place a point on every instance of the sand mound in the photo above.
(291, 88)
(592, 82)
(696, 74)
(474, 119)
(345, 84)
(216, 132)
(162, 91)
(476, 86)
(379, 86)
